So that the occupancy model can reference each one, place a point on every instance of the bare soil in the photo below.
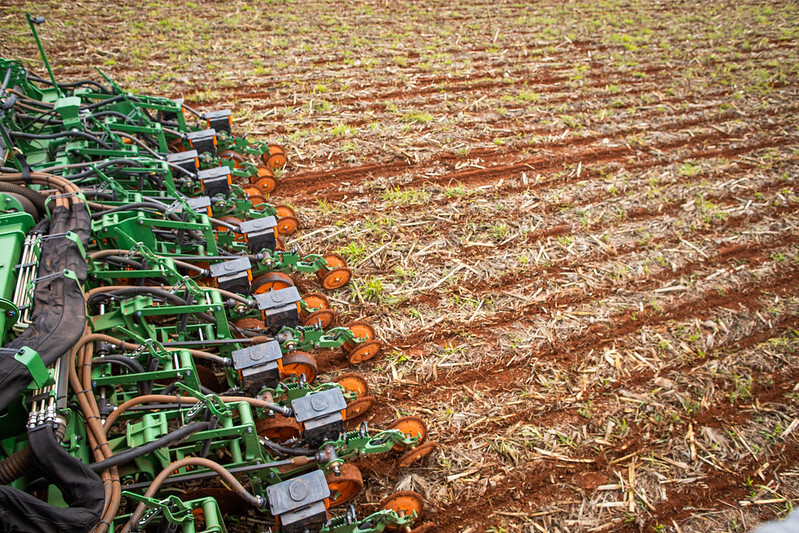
(574, 224)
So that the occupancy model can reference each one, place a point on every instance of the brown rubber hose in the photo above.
(226, 476)
(162, 398)
(125, 345)
(36, 198)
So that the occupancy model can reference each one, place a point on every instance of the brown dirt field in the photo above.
(574, 224)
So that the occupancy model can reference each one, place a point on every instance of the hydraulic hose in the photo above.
(150, 204)
(24, 97)
(294, 461)
(135, 291)
(107, 101)
(97, 166)
(226, 476)
(239, 298)
(41, 117)
(71, 85)
(79, 355)
(121, 260)
(169, 389)
(142, 289)
(6, 79)
(36, 198)
(131, 364)
(141, 145)
(132, 453)
(63, 185)
(224, 224)
(102, 254)
(112, 114)
(125, 345)
(144, 387)
(59, 135)
(126, 207)
(285, 450)
(189, 400)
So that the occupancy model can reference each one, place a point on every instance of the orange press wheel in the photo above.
(298, 363)
(361, 330)
(404, 503)
(364, 352)
(410, 426)
(278, 429)
(276, 158)
(345, 486)
(287, 225)
(353, 383)
(323, 317)
(271, 281)
(236, 157)
(359, 406)
(415, 454)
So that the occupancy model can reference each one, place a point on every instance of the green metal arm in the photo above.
(32, 22)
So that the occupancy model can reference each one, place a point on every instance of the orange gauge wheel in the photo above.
(417, 453)
(359, 406)
(334, 260)
(404, 503)
(284, 210)
(298, 363)
(271, 281)
(345, 486)
(324, 318)
(353, 383)
(254, 195)
(410, 426)
(276, 158)
(277, 429)
(236, 157)
(315, 301)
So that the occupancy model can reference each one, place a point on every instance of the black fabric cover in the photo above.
(81, 488)
(59, 309)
